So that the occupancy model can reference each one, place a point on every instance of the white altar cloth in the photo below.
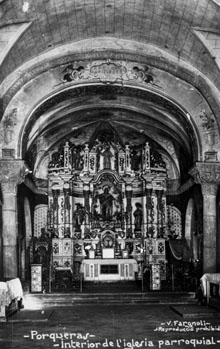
(206, 279)
(15, 289)
(5, 298)
(10, 290)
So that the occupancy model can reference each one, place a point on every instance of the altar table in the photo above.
(109, 269)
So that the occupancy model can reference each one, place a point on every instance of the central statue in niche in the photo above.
(107, 204)
(107, 156)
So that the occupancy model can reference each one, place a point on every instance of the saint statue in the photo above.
(138, 217)
(77, 159)
(78, 217)
(107, 155)
(106, 201)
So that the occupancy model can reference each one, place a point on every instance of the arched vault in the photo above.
(150, 71)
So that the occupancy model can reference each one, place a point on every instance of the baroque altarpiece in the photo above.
(107, 215)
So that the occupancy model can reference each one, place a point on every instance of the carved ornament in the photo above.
(12, 173)
(207, 120)
(108, 72)
(208, 124)
(208, 175)
(9, 122)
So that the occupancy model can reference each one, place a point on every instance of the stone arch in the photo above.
(36, 75)
(34, 114)
(105, 48)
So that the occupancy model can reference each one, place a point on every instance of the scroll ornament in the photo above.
(108, 72)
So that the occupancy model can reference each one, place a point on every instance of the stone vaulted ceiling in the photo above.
(166, 24)
(174, 43)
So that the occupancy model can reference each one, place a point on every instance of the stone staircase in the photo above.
(108, 294)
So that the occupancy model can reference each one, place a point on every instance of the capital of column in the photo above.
(12, 173)
(208, 175)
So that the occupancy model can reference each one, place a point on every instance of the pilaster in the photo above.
(12, 173)
(208, 176)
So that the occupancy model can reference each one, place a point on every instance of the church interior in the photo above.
(109, 143)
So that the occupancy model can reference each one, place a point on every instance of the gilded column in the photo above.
(129, 208)
(149, 191)
(208, 175)
(159, 194)
(55, 208)
(67, 208)
(12, 173)
(86, 193)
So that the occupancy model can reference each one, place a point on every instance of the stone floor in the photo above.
(118, 326)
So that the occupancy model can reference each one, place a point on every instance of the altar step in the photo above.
(214, 302)
(67, 299)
